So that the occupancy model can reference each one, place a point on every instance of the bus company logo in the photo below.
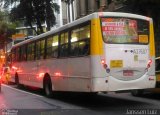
(8, 112)
(137, 51)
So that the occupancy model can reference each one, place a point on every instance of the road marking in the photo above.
(22, 91)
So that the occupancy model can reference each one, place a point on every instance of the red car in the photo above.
(0, 82)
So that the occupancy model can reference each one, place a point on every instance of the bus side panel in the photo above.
(27, 73)
(98, 73)
(68, 74)
(79, 76)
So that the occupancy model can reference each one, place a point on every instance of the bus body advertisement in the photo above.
(101, 52)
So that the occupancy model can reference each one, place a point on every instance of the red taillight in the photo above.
(149, 63)
(57, 74)
(15, 68)
(102, 61)
(41, 75)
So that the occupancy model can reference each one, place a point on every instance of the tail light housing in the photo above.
(105, 66)
(102, 61)
(149, 64)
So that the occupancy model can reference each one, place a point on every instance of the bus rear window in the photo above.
(125, 31)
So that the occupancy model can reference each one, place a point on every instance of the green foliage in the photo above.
(7, 29)
(34, 12)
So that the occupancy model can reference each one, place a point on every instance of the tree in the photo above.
(7, 29)
(34, 12)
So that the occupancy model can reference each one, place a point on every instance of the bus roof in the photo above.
(82, 20)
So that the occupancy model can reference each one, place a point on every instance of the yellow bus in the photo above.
(102, 52)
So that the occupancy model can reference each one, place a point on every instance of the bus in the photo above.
(101, 52)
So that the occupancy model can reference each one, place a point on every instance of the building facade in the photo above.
(25, 32)
(78, 8)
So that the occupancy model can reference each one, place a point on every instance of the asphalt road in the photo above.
(15, 101)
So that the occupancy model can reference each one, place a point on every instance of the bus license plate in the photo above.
(127, 73)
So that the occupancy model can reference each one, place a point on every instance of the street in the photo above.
(24, 102)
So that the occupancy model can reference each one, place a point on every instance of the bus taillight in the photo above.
(149, 64)
(57, 74)
(15, 68)
(102, 61)
(41, 75)
(105, 66)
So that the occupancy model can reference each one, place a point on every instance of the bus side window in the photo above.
(80, 38)
(30, 51)
(84, 47)
(63, 45)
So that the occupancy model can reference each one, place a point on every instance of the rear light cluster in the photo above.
(105, 66)
(15, 68)
(149, 64)
(41, 75)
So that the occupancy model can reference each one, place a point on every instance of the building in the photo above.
(79, 8)
(25, 32)
(150, 8)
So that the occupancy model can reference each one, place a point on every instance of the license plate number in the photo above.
(127, 73)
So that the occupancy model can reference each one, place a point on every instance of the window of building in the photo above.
(30, 32)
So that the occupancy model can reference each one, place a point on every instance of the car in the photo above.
(5, 75)
(0, 82)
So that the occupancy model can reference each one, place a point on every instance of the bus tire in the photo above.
(48, 87)
(137, 92)
(17, 80)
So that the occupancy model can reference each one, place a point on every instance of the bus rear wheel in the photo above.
(17, 80)
(48, 87)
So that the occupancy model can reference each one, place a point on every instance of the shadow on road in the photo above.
(99, 101)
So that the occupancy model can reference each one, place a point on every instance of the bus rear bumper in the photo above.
(112, 84)
(144, 82)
